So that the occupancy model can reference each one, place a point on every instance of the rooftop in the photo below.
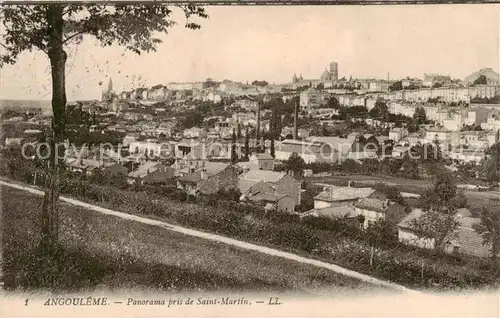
(263, 156)
(263, 175)
(144, 169)
(331, 213)
(265, 196)
(195, 177)
(372, 204)
(335, 193)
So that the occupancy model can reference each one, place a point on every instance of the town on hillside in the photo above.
(395, 179)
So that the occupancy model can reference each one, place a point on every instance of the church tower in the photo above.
(108, 95)
(110, 85)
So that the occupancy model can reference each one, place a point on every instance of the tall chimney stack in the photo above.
(257, 131)
(295, 122)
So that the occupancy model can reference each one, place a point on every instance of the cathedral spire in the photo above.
(110, 85)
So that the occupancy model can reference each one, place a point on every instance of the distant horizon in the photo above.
(271, 43)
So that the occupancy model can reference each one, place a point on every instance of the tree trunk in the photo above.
(57, 57)
(371, 256)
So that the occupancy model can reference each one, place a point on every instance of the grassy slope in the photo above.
(106, 252)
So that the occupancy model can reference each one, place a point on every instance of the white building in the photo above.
(398, 133)
(312, 98)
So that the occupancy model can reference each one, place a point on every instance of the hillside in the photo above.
(105, 252)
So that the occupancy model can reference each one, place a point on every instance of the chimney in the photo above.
(349, 183)
(202, 174)
(258, 122)
(295, 116)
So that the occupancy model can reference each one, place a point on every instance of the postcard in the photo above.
(237, 159)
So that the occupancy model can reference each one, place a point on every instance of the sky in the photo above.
(246, 43)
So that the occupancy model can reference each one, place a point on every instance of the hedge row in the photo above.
(330, 240)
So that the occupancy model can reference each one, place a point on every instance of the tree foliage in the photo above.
(234, 156)
(419, 116)
(489, 229)
(435, 225)
(260, 83)
(50, 28)
(381, 233)
(391, 192)
(481, 79)
(380, 110)
(439, 204)
(136, 27)
(443, 196)
(396, 86)
(247, 144)
(296, 164)
(332, 102)
(491, 166)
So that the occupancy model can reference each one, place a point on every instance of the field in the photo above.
(476, 199)
(100, 252)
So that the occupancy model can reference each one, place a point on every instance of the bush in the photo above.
(333, 240)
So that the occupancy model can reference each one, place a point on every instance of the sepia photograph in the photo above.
(182, 159)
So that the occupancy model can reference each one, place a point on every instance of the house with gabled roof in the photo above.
(209, 181)
(310, 151)
(337, 196)
(262, 161)
(374, 208)
(331, 213)
(465, 239)
(280, 203)
(150, 172)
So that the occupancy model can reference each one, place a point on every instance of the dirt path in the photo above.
(219, 238)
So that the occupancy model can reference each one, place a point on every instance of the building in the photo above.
(378, 86)
(492, 77)
(398, 133)
(492, 122)
(441, 135)
(461, 155)
(208, 182)
(246, 104)
(407, 235)
(262, 161)
(465, 240)
(89, 167)
(191, 162)
(433, 78)
(333, 213)
(150, 148)
(291, 187)
(483, 90)
(313, 98)
(310, 151)
(109, 95)
(224, 180)
(376, 207)
(340, 146)
(150, 173)
(194, 132)
(276, 183)
(334, 71)
(477, 116)
(337, 196)
(276, 202)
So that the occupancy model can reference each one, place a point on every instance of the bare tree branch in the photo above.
(73, 35)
